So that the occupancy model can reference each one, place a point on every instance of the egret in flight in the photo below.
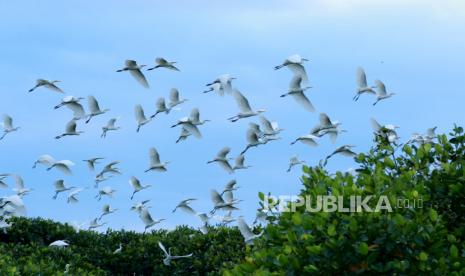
(155, 164)
(109, 127)
(8, 126)
(70, 130)
(297, 92)
(94, 108)
(222, 159)
(135, 70)
(148, 220)
(47, 84)
(246, 232)
(382, 93)
(221, 84)
(168, 257)
(295, 64)
(140, 117)
(163, 63)
(362, 86)
(68, 100)
(137, 186)
(244, 106)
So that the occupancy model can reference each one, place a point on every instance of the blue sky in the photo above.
(415, 47)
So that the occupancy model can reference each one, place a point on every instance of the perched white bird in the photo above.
(60, 244)
(184, 205)
(246, 232)
(222, 159)
(295, 64)
(183, 135)
(382, 93)
(72, 196)
(67, 267)
(244, 106)
(138, 207)
(137, 186)
(307, 139)
(148, 220)
(161, 107)
(221, 203)
(94, 108)
(140, 117)
(155, 164)
(239, 163)
(109, 127)
(297, 92)
(362, 86)
(105, 191)
(68, 100)
(221, 84)
(163, 63)
(95, 224)
(70, 130)
(174, 98)
(47, 84)
(106, 210)
(60, 187)
(294, 161)
(8, 126)
(135, 70)
(92, 161)
(168, 257)
(119, 249)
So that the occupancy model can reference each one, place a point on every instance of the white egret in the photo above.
(295, 64)
(8, 126)
(362, 86)
(253, 140)
(381, 94)
(72, 196)
(92, 161)
(222, 159)
(184, 205)
(62, 165)
(148, 220)
(246, 232)
(47, 84)
(137, 186)
(161, 107)
(183, 135)
(70, 130)
(67, 267)
(110, 168)
(94, 108)
(135, 70)
(163, 63)
(230, 186)
(326, 126)
(294, 161)
(68, 100)
(119, 249)
(109, 127)
(244, 106)
(221, 203)
(192, 122)
(168, 257)
(174, 98)
(3, 184)
(386, 131)
(307, 139)
(239, 163)
(59, 244)
(269, 128)
(106, 210)
(155, 164)
(78, 110)
(228, 218)
(105, 191)
(60, 187)
(297, 92)
(13, 205)
(345, 150)
(20, 189)
(93, 224)
(46, 160)
(138, 207)
(140, 117)
(225, 84)
(215, 87)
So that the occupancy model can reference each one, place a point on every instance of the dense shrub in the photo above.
(24, 250)
(406, 241)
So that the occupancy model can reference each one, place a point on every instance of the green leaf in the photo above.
(433, 215)
(363, 248)
(261, 196)
(297, 218)
(423, 256)
(454, 251)
(331, 230)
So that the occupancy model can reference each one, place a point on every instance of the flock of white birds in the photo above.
(224, 201)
